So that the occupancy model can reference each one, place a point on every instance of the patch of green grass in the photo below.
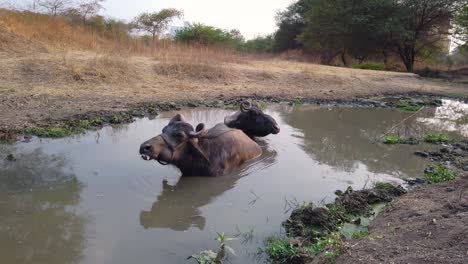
(50, 132)
(360, 235)
(369, 66)
(296, 101)
(440, 174)
(437, 138)
(262, 106)
(383, 186)
(405, 107)
(281, 250)
(231, 107)
(392, 140)
(332, 245)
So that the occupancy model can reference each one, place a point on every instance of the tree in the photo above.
(347, 27)
(155, 23)
(54, 7)
(291, 24)
(89, 8)
(201, 34)
(424, 24)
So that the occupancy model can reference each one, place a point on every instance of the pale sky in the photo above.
(251, 17)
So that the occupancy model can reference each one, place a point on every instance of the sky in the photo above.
(251, 17)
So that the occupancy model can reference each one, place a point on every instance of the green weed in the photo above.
(369, 66)
(392, 140)
(405, 107)
(439, 174)
(296, 101)
(437, 138)
(281, 250)
(383, 186)
(49, 132)
(262, 106)
(360, 235)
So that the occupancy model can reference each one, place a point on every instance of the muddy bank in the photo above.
(427, 225)
(69, 124)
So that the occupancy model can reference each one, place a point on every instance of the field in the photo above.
(51, 70)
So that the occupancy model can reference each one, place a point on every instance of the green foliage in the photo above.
(205, 257)
(369, 66)
(296, 101)
(281, 250)
(437, 138)
(262, 106)
(201, 34)
(439, 174)
(405, 107)
(360, 235)
(391, 140)
(49, 132)
(258, 45)
(155, 23)
(383, 186)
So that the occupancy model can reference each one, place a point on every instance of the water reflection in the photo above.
(36, 223)
(179, 207)
(451, 116)
(343, 138)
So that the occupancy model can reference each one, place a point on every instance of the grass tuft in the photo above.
(49, 132)
(437, 138)
(281, 250)
(439, 174)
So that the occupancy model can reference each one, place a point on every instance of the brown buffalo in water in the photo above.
(252, 121)
(214, 152)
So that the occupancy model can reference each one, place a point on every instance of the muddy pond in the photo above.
(90, 198)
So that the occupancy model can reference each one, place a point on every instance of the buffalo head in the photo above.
(252, 121)
(176, 137)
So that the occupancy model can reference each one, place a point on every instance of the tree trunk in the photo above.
(385, 59)
(407, 55)
(343, 58)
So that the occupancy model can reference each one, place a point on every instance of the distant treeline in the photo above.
(360, 29)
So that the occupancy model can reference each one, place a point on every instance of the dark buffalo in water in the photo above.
(214, 152)
(252, 121)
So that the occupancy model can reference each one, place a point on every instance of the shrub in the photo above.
(391, 140)
(198, 33)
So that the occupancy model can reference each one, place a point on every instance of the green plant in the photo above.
(51, 132)
(262, 106)
(205, 257)
(405, 107)
(360, 235)
(222, 239)
(296, 101)
(369, 66)
(439, 174)
(281, 250)
(437, 138)
(391, 140)
(383, 186)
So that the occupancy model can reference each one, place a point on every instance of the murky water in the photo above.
(92, 199)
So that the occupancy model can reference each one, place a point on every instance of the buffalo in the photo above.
(252, 121)
(201, 152)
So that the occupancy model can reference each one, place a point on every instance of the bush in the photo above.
(259, 44)
(281, 250)
(369, 66)
(207, 35)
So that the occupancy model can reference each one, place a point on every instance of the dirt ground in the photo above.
(39, 86)
(426, 225)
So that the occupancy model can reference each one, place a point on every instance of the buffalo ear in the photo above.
(177, 118)
(200, 131)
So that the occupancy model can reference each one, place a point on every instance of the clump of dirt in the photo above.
(452, 155)
(312, 222)
(359, 202)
